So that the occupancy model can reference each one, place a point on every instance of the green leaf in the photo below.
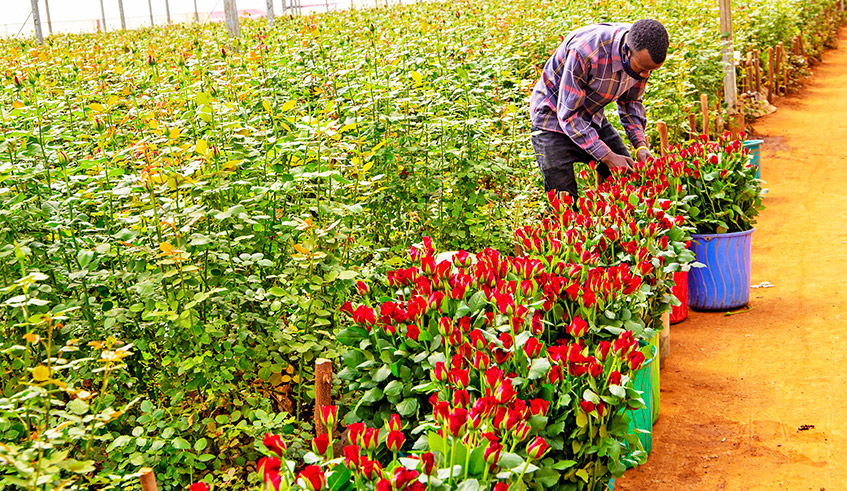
(77, 406)
(393, 389)
(372, 396)
(382, 374)
(618, 391)
(180, 444)
(582, 474)
(469, 485)
(348, 274)
(477, 302)
(539, 368)
(510, 460)
(407, 407)
(200, 445)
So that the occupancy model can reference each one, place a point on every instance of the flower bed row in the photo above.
(496, 372)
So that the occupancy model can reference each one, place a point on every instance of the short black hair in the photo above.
(651, 35)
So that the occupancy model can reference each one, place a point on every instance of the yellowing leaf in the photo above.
(301, 249)
(202, 98)
(201, 147)
(166, 247)
(230, 165)
(285, 379)
(97, 107)
(289, 369)
(174, 133)
(17, 104)
(295, 379)
(266, 106)
(34, 338)
(153, 124)
(378, 146)
(40, 373)
(417, 77)
(287, 106)
(112, 100)
(368, 165)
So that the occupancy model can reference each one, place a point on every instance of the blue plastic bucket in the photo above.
(752, 147)
(724, 283)
(642, 419)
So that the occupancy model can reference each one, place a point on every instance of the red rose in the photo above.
(329, 415)
(538, 407)
(269, 467)
(199, 486)
(537, 448)
(428, 463)
(352, 456)
(274, 444)
(370, 439)
(412, 332)
(586, 406)
(362, 287)
(635, 359)
(320, 444)
(395, 440)
(615, 378)
(354, 431)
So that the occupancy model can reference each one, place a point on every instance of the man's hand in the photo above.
(615, 161)
(643, 154)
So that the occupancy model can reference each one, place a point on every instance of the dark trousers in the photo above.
(556, 153)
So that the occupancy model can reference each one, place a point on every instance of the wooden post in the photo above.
(757, 70)
(770, 74)
(168, 10)
(36, 20)
(323, 391)
(148, 480)
(749, 69)
(729, 83)
(803, 48)
(121, 12)
(196, 13)
(663, 137)
(665, 339)
(150, 8)
(692, 125)
(785, 72)
(718, 121)
(269, 6)
(49, 22)
(739, 116)
(704, 109)
(231, 13)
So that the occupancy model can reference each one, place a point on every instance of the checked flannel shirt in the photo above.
(583, 76)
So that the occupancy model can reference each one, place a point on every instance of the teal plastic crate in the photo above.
(752, 147)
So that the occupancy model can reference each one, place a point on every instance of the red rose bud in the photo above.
(537, 448)
(459, 377)
(362, 287)
(501, 486)
(352, 456)
(555, 375)
(371, 469)
(17, 81)
(521, 431)
(395, 440)
(462, 259)
(383, 485)
(635, 359)
(412, 332)
(455, 338)
(274, 444)
(98, 125)
(394, 423)
(445, 326)
(532, 348)
(329, 415)
(492, 453)
(457, 421)
(269, 467)
(403, 476)
(314, 478)
(347, 308)
(538, 407)
(461, 398)
(320, 444)
(615, 378)
(595, 369)
(63, 160)
(198, 486)
(586, 406)
(440, 371)
(602, 351)
(428, 463)
(354, 433)
(481, 361)
(428, 265)
(370, 439)
(601, 408)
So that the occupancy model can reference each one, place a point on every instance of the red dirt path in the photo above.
(758, 400)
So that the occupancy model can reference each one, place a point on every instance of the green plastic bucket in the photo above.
(642, 419)
(752, 147)
(656, 385)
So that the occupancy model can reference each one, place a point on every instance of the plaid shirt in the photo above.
(583, 76)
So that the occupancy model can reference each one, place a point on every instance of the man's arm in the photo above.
(631, 111)
(570, 112)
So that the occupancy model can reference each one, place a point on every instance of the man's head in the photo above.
(648, 44)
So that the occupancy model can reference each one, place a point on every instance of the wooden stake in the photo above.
(148, 480)
(269, 5)
(196, 13)
(47, 11)
(168, 10)
(802, 47)
(704, 108)
(758, 72)
(103, 14)
(692, 125)
(121, 13)
(665, 339)
(663, 137)
(784, 60)
(739, 117)
(323, 391)
(150, 8)
(778, 70)
(770, 74)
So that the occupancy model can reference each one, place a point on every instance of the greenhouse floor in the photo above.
(756, 400)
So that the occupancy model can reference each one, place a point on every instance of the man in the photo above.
(594, 66)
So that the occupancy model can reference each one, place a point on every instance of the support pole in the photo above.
(729, 84)
(704, 109)
(692, 125)
(196, 13)
(665, 339)
(269, 4)
(121, 11)
(103, 14)
(150, 8)
(49, 22)
(148, 480)
(323, 391)
(663, 137)
(36, 20)
(231, 13)
(770, 74)
(757, 70)
(168, 10)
